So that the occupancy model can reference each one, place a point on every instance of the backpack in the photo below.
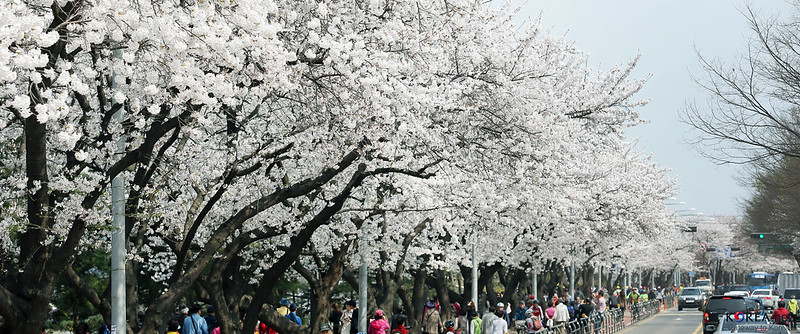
(534, 324)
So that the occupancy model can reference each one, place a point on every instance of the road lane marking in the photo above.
(636, 325)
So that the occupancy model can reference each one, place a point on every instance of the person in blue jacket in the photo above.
(293, 315)
(194, 323)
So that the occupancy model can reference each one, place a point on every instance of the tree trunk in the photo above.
(418, 299)
(442, 294)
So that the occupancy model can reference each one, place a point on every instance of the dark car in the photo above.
(691, 297)
(788, 293)
(753, 305)
(718, 305)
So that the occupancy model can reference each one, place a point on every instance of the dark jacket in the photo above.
(585, 310)
(212, 322)
(354, 323)
(613, 301)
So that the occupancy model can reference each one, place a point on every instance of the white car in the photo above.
(738, 290)
(768, 299)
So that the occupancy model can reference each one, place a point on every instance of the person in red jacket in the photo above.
(781, 314)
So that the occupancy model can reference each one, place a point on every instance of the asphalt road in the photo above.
(670, 321)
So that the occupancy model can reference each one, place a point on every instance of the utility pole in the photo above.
(474, 272)
(572, 281)
(118, 323)
(362, 283)
(600, 277)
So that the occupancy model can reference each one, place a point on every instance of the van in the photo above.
(705, 285)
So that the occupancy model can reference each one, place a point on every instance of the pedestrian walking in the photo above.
(562, 314)
(600, 304)
(325, 328)
(194, 323)
(532, 322)
(487, 321)
(378, 325)
(284, 308)
(293, 315)
(211, 318)
(462, 322)
(613, 300)
(173, 326)
(549, 313)
(475, 322)
(500, 325)
(181, 312)
(431, 321)
(519, 315)
(536, 309)
(335, 319)
(586, 309)
(399, 319)
(347, 316)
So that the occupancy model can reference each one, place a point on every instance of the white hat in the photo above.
(500, 305)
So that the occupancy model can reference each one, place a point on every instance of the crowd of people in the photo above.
(529, 316)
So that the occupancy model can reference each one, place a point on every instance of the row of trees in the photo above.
(272, 138)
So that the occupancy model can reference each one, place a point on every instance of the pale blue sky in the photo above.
(666, 33)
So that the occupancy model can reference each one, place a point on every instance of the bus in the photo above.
(761, 280)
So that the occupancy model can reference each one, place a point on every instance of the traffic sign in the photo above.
(691, 274)
(702, 246)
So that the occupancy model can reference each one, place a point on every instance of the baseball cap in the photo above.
(500, 305)
(284, 302)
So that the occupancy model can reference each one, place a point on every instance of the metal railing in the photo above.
(610, 321)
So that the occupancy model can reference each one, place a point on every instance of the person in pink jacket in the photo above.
(379, 325)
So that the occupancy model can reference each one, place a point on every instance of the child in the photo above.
(172, 327)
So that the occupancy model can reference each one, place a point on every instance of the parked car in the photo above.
(720, 305)
(767, 297)
(738, 290)
(691, 297)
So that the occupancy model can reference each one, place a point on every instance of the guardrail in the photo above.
(612, 320)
